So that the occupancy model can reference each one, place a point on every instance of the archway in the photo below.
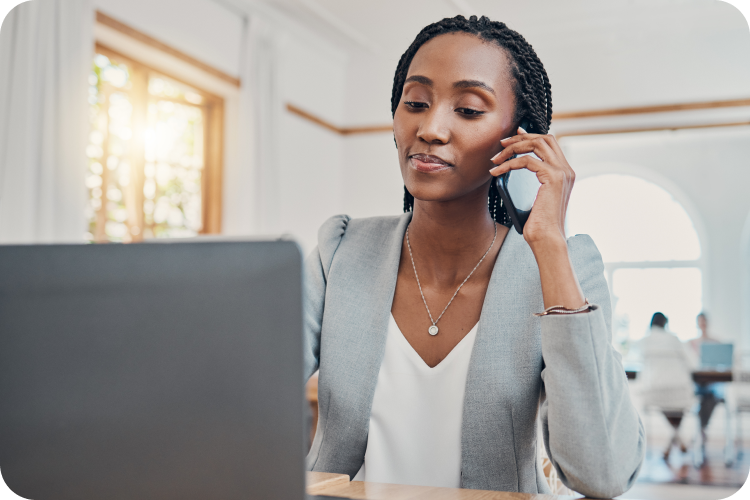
(650, 247)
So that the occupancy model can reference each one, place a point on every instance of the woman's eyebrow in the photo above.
(466, 84)
(419, 79)
(461, 84)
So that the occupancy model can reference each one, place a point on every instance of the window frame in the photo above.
(213, 134)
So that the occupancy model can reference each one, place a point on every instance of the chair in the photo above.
(550, 474)
(699, 450)
(666, 384)
(740, 396)
(311, 395)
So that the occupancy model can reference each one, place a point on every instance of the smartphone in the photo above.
(518, 190)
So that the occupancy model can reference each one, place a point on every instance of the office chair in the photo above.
(740, 390)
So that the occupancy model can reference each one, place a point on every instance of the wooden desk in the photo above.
(319, 482)
(699, 377)
(709, 377)
(338, 485)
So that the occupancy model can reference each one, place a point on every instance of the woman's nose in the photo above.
(434, 128)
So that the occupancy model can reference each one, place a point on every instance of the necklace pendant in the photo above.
(433, 330)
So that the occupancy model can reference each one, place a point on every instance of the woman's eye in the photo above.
(415, 104)
(469, 111)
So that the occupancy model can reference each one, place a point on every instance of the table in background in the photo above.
(700, 377)
(338, 485)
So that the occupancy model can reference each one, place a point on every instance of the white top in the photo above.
(665, 379)
(415, 422)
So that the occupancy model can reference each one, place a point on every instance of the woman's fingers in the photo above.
(529, 143)
(527, 162)
(554, 144)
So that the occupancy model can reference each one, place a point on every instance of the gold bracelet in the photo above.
(563, 310)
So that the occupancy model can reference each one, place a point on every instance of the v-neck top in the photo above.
(415, 422)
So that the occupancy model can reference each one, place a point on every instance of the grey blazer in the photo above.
(561, 368)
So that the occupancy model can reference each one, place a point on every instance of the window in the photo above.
(650, 249)
(154, 154)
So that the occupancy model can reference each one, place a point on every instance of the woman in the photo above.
(376, 288)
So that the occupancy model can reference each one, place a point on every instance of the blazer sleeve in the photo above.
(592, 432)
(317, 267)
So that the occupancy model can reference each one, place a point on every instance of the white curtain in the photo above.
(253, 194)
(46, 49)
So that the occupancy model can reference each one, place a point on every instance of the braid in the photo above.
(408, 201)
(532, 88)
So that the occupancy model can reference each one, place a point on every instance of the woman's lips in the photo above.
(429, 163)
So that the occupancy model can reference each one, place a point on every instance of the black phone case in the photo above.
(518, 217)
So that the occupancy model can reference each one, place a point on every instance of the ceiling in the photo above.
(599, 54)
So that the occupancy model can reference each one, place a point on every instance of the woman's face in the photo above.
(456, 106)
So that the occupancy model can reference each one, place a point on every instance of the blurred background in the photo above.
(126, 121)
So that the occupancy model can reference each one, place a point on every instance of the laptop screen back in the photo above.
(716, 356)
(152, 371)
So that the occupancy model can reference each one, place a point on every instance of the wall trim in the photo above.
(374, 129)
(662, 108)
(142, 37)
(649, 129)
(333, 128)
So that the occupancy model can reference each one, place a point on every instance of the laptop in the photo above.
(716, 356)
(152, 371)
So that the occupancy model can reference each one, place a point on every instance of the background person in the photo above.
(705, 338)
(666, 380)
(709, 394)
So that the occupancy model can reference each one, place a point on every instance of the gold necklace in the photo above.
(433, 330)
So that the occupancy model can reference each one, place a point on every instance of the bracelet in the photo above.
(563, 310)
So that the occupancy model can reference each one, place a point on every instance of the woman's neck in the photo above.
(449, 238)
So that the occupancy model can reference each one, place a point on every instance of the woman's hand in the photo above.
(547, 219)
(545, 229)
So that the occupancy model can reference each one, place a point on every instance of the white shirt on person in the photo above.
(415, 422)
(666, 381)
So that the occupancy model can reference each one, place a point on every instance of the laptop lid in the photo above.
(716, 356)
(152, 371)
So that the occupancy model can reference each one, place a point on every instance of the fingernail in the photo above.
(522, 130)
(503, 140)
(495, 157)
(494, 170)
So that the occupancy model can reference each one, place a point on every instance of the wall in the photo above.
(372, 179)
(745, 273)
(309, 168)
(202, 28)
(710, 168)
(674, 54)
(299, 184)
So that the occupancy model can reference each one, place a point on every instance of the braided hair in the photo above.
(531, 86)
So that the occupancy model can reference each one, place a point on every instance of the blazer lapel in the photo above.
(495, 384)
(355, 324)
